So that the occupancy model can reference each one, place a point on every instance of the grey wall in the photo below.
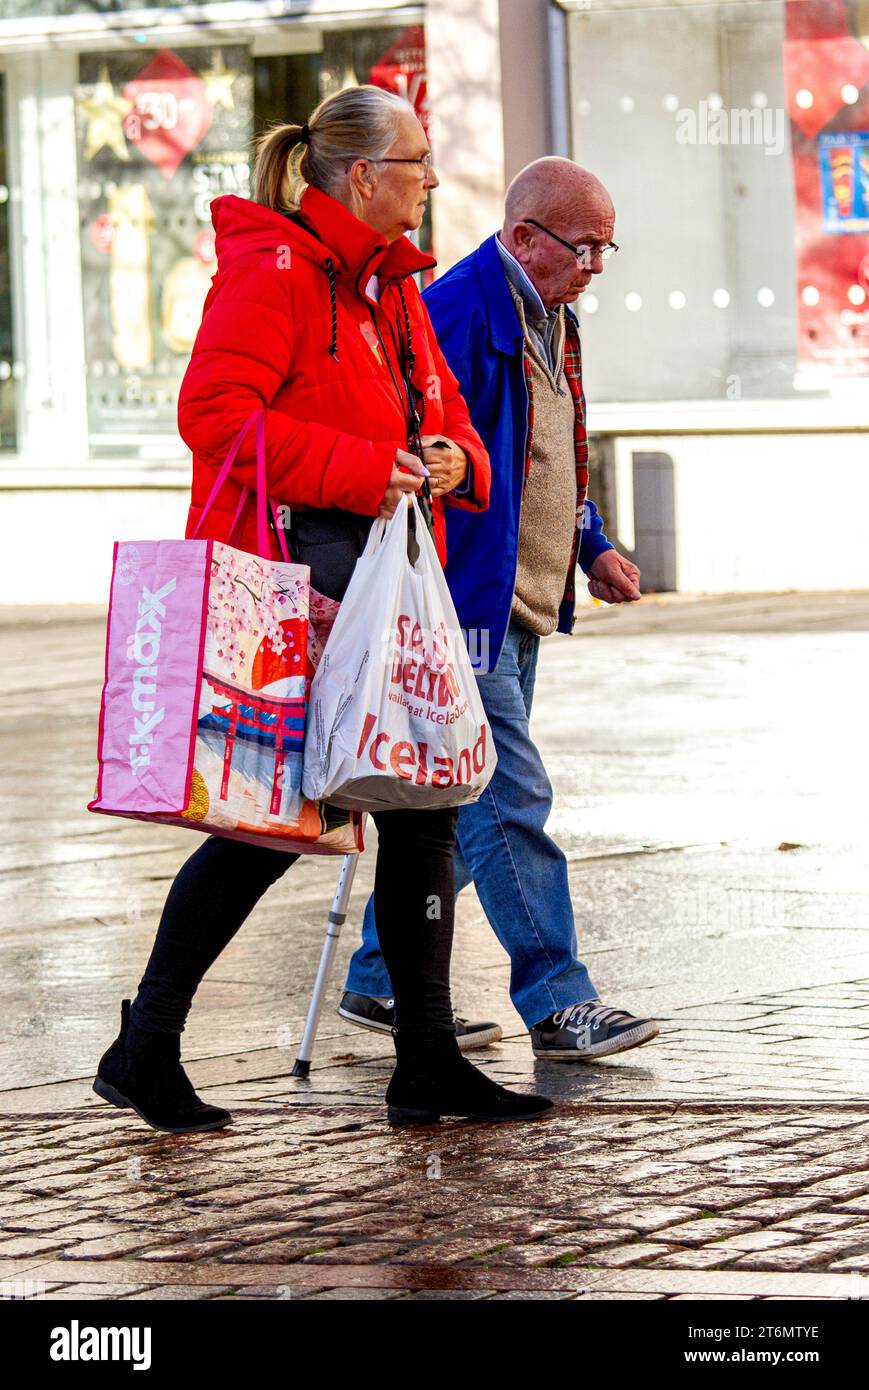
(689, 217)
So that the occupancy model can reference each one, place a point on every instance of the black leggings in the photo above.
(219, 885)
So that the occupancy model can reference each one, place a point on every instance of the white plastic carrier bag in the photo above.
(395, 717)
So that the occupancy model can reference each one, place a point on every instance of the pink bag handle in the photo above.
(279, 530)
(262, 501)
(242, 499)
(281, 534)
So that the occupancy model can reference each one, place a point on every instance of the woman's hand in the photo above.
(446, 462)
(402, 484)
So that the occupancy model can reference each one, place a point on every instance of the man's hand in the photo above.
(614, 579)
(447, 465)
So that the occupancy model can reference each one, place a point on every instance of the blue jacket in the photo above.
(480, 335)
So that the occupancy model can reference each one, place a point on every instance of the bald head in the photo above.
(575, 210)
(555, 189)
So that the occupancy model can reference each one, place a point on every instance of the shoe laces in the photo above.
(591, 1014)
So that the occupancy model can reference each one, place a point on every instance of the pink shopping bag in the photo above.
(210, 652)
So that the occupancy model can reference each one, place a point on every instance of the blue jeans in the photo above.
(502, 847)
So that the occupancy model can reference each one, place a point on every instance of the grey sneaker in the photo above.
(370, 1012)
(589, 1030)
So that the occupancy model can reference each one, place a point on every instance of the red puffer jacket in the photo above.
(287, 325)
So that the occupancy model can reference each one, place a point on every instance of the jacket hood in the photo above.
(245, 228)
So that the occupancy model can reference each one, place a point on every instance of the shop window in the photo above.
(734, 139)
(159, 134)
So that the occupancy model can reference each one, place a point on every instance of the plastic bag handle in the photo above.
(424, 537)
(384, 523)
(375, 534)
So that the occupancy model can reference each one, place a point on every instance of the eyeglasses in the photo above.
(424, 161)
(583, 253)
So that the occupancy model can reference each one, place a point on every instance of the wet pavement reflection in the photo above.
(707, 757)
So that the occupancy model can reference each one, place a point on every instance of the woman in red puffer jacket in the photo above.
(314, 315)
(318, 316)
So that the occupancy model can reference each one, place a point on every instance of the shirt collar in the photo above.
(534, 306)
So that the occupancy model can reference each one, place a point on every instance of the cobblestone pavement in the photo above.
(707, 809)
(323, 1202)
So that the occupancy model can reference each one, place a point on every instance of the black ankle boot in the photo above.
(142, 1071)
(432, 1078)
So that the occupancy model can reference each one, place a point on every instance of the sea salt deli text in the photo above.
(423, 680)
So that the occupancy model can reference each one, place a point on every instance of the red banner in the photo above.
(402, 69)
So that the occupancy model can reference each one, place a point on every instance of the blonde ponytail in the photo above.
(278, 181)
(358, 123)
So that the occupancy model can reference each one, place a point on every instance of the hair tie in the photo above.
(305, 134)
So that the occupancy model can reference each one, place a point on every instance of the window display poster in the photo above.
(844, 161)
(826, 69)
(158, 137)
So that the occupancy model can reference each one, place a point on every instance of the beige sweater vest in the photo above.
(548, 516)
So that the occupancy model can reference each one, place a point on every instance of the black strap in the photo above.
(412, 418)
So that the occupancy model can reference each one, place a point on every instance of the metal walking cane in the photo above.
(335, 921)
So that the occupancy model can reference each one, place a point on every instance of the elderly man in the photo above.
(501, 320)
